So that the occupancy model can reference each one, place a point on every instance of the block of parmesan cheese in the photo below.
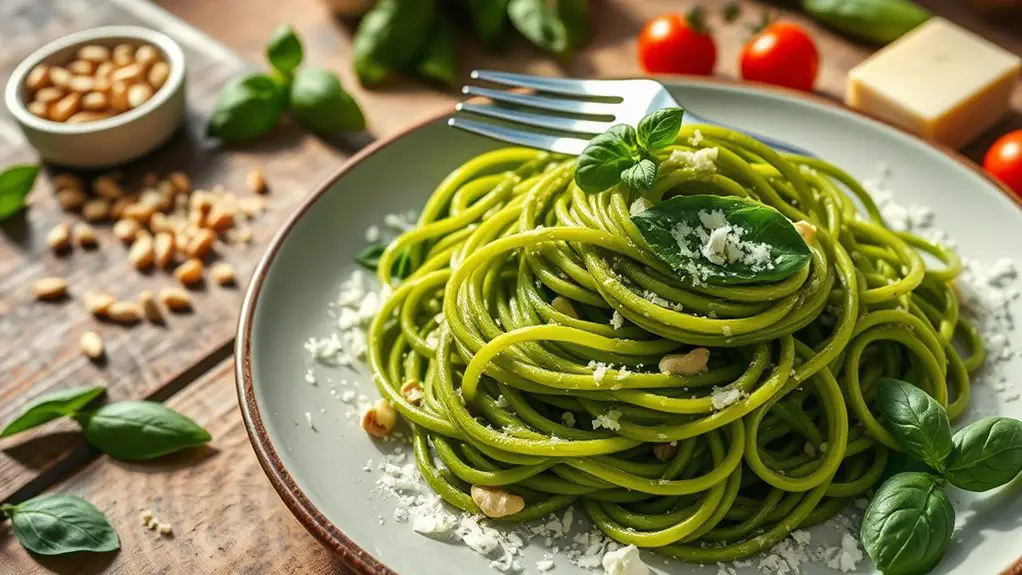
(939, 81)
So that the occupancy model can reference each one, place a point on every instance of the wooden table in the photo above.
(226, 517)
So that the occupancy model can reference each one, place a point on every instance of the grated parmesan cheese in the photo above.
(624, 561)
(608, 420)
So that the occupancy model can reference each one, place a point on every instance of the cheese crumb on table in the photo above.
(939, 81)
(624, 561)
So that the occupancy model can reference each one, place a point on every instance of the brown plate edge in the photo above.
(351, 554)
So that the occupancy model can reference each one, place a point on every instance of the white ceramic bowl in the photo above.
(115, 140)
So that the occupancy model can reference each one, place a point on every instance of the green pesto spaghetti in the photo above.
(543, 349)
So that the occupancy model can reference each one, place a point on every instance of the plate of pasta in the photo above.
(463, 357)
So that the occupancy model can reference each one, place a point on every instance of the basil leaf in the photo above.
(641, 176)
(439, 61)
(15, 183)
(369, 258)
(246, 108)
(877, 21)
(600, 165)
(721, 240)
(575, 15)
(57, 524)
(51, 406)
(390, 38)
(539, 23)
(322, 105)
(916, 420)
(659, 129)
(284, 50)
(908, 524)
(987, 454)
(488, 18)
(139, 430)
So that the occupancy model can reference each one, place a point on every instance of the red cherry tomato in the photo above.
(671, 44)
(1004, 160)
(782, 54)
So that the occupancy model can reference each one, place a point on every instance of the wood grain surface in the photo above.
(226, 517)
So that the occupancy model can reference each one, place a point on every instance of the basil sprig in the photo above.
(623, 154)
(15, 183)
(907, 526)
(768, 247)
(58, 524)
(251, 106)
(125, 430)
(877, 21)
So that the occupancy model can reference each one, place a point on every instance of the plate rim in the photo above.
(329, 535)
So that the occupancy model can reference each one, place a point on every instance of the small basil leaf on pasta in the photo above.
(986, 454)
(916, 420)
(369, 258)
(600, 165)
(539, 23)
(720, 240)
(58, 524)
(659, 129)
(908, 524)
(284, 50)
(51, 406)
(641, 176)
(139, 430)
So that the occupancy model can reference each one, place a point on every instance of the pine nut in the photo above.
(82, 117)
(96, 210)
(147, 302)
(147, 55)
(81, 84)
(139, 94)
(38, 78)
(59, 77)
(201, 243)
(411, 390)
(85, 235)
(222, 273)
(251, 207)
(103, 71)
(117, 208)
(495, 502)
(141, 252)
(563, 305)
(65, 180)
(71, 199)
(159, 223)
(124, 312)
(119, 96)
(158, 75)
(806, 230)
(664, 451)
(98, 302)
(176, 299)
(123, 55)
(94, 53)
(220, 217)
(94, 101)
(49, 288)
(164, 249)
(107, 187)
(126, 229)
(190, 272)
(180, 181)
(91, 345)
(689, 363)
(128, 74)
(139, 211)
(82, 68)
(256, 181)
(66, 107)
(380, 419)
(39, 109)
(59, 237)
(49, 94)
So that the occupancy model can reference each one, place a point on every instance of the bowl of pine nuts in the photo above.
(100, 97)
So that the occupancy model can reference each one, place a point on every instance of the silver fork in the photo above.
(637, 98)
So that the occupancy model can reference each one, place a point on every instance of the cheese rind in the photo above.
(939, 81)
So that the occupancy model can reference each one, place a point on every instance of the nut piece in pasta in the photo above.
(689, 363)
(495, 502)
(412, 391)
(379, 420)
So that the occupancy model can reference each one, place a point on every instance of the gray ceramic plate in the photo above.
(319, 474)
